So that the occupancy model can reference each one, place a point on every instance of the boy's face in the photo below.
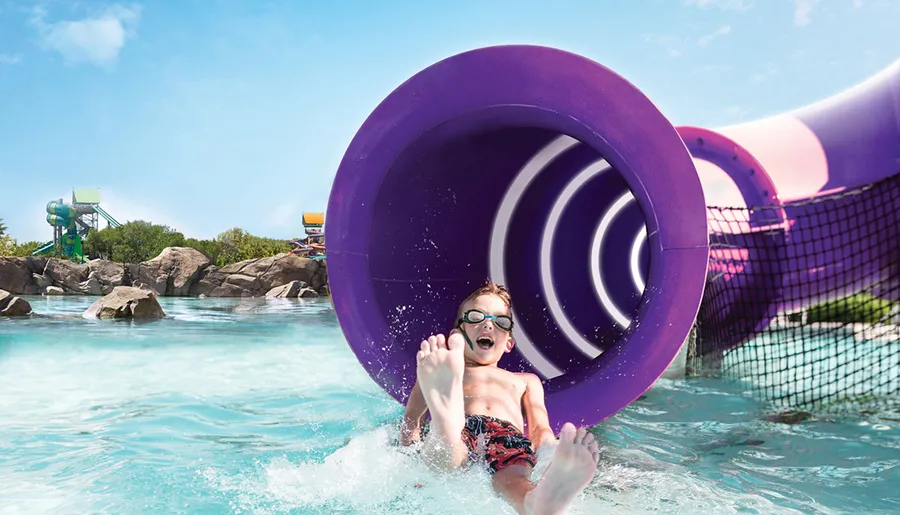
(489, 342)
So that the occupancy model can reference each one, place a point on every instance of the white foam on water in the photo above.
(31, 496)
(47, 384)
(373, 475)
(27, 493)
(369, 475)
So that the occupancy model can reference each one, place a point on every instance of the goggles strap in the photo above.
(466, 336)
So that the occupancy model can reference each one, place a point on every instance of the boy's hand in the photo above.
(413, 417)
(546, 447)
(544, 437)
(408, 435)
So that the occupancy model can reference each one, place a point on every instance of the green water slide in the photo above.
(72, 223)
(44, 248)
(106, 216)
(64, 216)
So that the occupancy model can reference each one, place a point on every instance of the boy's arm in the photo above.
(539, 431)
(410, 429)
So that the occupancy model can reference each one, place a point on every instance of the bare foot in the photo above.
(573, 466)
(440, 367)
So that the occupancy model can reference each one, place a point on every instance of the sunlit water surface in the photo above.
(259, 406)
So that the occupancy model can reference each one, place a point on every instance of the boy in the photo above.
(479, 409)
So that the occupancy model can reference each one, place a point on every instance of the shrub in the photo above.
(139, 241)
(859, 308)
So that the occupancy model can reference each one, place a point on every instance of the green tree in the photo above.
(132, 242)
(211, 248)
(139, 241)
(230, 243)
(236, 245)
(7, 244)
(3, 228)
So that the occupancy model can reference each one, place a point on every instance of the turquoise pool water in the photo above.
(259, 407)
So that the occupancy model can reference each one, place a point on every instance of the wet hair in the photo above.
(488, 288)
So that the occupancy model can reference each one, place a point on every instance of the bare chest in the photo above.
(493, 390)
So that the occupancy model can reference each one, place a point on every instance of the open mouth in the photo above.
(485, 342)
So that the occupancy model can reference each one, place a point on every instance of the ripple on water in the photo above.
(255, 406)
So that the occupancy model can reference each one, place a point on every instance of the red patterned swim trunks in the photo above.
(501, 445)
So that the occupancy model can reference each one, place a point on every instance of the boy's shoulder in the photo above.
(528, 377)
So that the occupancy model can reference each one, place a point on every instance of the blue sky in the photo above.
(206, 115)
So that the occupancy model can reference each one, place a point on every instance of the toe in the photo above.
(588, 438)
(579, 436)
(441, 341)
(455, 341)
(568, 433)
(595, 451)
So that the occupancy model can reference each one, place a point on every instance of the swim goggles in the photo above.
(474, 316)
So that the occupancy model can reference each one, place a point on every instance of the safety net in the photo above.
(801, 300)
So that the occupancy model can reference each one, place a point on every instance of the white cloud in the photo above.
(721, 31)
(670, 43)
(728, 5)
(802, 11)
(94, 40)
(10, 58)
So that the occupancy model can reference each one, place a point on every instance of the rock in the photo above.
(16, 276)
(67, 274)
(173, 271)
(108, 274)
(97, 277)
(228, 290)
(288, 290)
(132, 270)
(16, 307)
(41, 281)
(320, 278)
(12, 306)
(790, 417)
(209, 280)
(90, 287)
(245, 282)
(126, 302)
(325, 291)
(274, 271)
(307, 293)
(177, 271)
(257, 277)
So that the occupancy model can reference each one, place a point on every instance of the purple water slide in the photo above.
(547, 172)
(541, 170)
(795, 256)
(848, 140)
